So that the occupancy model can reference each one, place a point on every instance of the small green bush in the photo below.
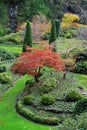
(28, 100)
(2, 69)
(48, 85)
(5, 78)
(73, 96)
(81, 67)
(70, 64)
(2, 32)
(46, 36)
(47, 99)
(29, 82)
(6, 55)
(81, 106)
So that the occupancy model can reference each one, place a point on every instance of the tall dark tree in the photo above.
(28, 37)
(53, 33)
(57, 24)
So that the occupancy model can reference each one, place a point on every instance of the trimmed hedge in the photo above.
(30, 115)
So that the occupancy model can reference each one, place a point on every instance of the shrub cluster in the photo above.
(48, 85)
(70, 64)
(5, 78)
(5, 55)
(4, 31)
(79, 123)
(2, 69)
(28, 100)
(47, 99)
(81, 106)
(73, 96)
(81, 67)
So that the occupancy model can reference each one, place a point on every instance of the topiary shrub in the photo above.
(73, 96)
(81, 106)
(2, 69)
(28, 100)
(47, 99)
(28, 37)
(53, 33)
(57, 24)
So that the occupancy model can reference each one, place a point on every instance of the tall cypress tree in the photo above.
(53, 33)
(57, 24)
(28, 37)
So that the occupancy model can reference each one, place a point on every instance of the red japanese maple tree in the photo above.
(31, 61)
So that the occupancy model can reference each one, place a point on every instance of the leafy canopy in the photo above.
(31, 61)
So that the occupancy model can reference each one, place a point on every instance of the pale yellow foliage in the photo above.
(68, 19)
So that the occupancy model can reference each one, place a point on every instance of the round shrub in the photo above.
(5, 78)
(81, 106)
(81, 67)
(73, 96)
(47, 99)
(70, 64)
(2, 69)
(28, 100)
(48, 85)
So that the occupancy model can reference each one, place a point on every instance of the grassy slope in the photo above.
(9, 119)
(12, 48)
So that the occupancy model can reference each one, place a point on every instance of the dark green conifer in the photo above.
(53, 33)
(57, 24)
(28, 37)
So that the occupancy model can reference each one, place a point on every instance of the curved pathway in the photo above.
(9, 119)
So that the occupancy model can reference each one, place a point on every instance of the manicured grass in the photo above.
(12, 48)
(64, 45)
(9, 119)
(15, 48)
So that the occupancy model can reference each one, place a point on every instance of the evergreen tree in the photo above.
(57, 24)
(53, 33)
(28, 37)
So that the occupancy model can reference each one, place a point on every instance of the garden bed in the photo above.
(48, 114)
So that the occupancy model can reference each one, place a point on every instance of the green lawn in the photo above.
(9, 119)
(11, 48)
(64, 45)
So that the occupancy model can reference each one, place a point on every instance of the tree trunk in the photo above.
(12, 12)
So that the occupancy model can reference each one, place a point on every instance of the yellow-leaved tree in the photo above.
(68, 19)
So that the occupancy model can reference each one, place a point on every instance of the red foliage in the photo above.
(31, 61)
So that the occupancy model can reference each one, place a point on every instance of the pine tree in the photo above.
(57, 24)
(28, 37)
(53, 33)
